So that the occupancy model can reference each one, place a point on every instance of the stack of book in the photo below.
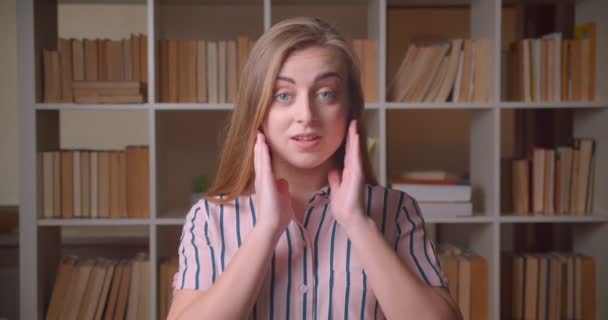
(168, 269)
(201, 70)
(439, 194)
(93, 60)
(548, 286)
(206, 71)
(467, 274)
(94, 184)
(107, 91)
(456, 70)
(551, 68)
(555, 181)
(101, 289)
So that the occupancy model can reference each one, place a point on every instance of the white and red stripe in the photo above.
(314, 273)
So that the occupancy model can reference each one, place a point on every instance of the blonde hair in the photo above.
(235, 170)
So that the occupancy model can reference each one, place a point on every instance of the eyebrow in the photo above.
(321, 76)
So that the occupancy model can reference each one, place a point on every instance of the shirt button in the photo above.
(303, 288)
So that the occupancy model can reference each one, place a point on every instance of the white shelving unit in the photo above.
(41, 241)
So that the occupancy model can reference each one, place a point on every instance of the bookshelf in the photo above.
(178, 151)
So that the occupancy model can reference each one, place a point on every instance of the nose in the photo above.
(304, 110)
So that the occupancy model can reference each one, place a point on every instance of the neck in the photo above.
(302, 182)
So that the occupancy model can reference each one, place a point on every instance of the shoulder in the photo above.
(203, 209)
(387, 196)
(203, 216)
(210, 204)
(214, 208)
(197, 214)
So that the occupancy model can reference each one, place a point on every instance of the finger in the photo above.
(265, 159)
(350, 143)
(256, 162)
(357, 153)
(353, 125)
(347, 147)
(357, 158)
(356, 148)
(255, 154)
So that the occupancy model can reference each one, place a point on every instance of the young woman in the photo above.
(295, 225)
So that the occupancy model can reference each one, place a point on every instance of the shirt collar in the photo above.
(321, 195)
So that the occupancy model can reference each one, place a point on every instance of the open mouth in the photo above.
(305, 138)
(306, 142)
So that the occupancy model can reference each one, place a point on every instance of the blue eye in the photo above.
(327, 95)
(282, 97)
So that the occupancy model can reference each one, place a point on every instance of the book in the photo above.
(425, 192)
(187, 71)
(213, 72)
(128, 85)
(586, 32)
(109, 99)
(429, 175)
(520, 187)
(65, 54)
(468, 278)
(551, 285)
(201, 71)
(445, 209)
(172, 77)
(61, 287)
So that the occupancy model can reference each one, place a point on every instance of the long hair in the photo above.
(235, 172)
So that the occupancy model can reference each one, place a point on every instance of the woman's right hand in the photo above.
(272, 199)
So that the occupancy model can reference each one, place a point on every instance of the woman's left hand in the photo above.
(347, 191)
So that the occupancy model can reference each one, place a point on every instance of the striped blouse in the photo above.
(314, 273)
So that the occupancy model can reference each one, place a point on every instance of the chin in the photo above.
(309, 163)
(304, 164)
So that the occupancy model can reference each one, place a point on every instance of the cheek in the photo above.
(336, 113)
(337, 125)
(342, 123)
(270, 122)
(272, 127)
(338, 118)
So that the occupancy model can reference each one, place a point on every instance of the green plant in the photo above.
(200, 184)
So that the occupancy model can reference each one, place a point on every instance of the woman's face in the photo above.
(306, 121)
